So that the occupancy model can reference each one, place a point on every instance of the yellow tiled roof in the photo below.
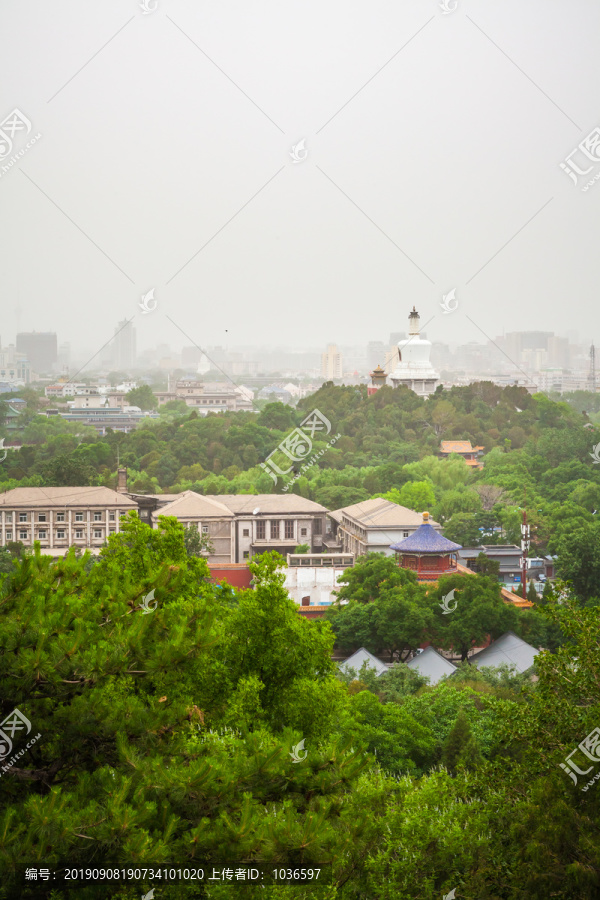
(457, 447)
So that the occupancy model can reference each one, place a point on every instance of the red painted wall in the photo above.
(238, 575)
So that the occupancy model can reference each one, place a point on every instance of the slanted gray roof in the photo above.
(509, 649)
(64, 497)
(378, 513)
(268, 504)
(362, 656)
(432, 665)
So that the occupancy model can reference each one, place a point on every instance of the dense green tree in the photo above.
(339, 496)
(417, 495)
(68, 470)
(6, 561)
(143, 397)
(277, 416)
(126, 767)
(460, 747)
(391, 614)
(197, 544)
(463, 529)
(398, 682)
(579, 560)
(483, 565)
(400, 743)
(477, 611)
(370, 574)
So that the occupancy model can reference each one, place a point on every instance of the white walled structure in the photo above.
(315, 577)
(414, 368)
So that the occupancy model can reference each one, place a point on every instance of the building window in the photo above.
(60, 534)
(274, 529)
(303, 532)
(205, 529)
(8, 517)
(78, 533)
(260, 530)
(9, 535)
(246, 532)
(60, 517)
(97, 533)
(111, 517)
(246, 554)
(79, 517)
(97, 517)
(289, 529)
(42, 535)
(318, 526)
(22, 517)
(23, 535)
(42, 517)
(405, 533)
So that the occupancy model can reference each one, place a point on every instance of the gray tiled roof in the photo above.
(509, 649)
(380, 513)
(432, 665)
(268, 504)
(46, 497)
(362, 656)
(189, 503)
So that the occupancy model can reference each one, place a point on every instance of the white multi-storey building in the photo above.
(241, 526)
(332, 363)
(14, 367)
(372, 525)
(62, 517)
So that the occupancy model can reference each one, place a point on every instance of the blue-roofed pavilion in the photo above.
(427, 553)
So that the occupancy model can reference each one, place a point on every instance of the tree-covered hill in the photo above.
(538, 454)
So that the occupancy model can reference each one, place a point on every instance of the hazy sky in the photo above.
(434, 146)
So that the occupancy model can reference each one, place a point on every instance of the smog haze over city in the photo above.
(429, 140)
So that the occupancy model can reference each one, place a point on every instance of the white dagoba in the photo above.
(414, 368)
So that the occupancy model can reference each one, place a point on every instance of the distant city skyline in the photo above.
(280, 183)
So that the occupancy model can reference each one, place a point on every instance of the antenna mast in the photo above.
(592, 372)
(525, 531)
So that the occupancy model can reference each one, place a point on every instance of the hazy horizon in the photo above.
(434, 146)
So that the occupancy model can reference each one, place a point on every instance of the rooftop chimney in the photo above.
(122, 480)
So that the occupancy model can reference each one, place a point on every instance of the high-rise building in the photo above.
(331, 363)
(124, 347)
(40, 348)
(14, 367)
(558, 352)
(64, 356)
(375, 354)
(190, 357)
(516, 345)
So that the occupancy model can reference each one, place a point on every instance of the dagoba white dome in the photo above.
(414, 368)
